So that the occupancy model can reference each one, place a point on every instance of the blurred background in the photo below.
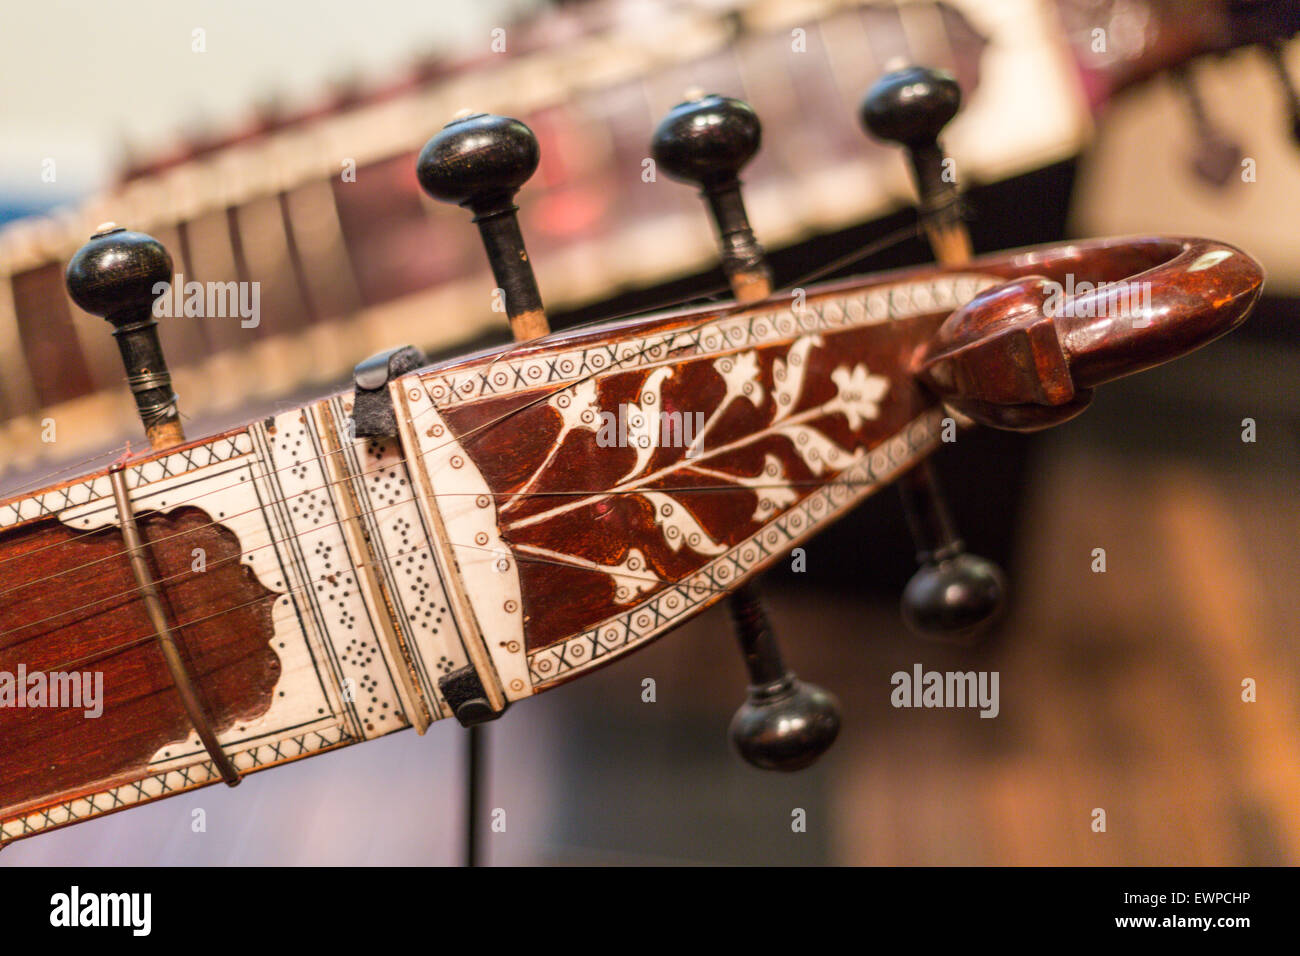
(227, 130)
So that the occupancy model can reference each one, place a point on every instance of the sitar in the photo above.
(446, 540)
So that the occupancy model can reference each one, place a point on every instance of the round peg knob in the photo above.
(911, 106)
(118, 274)
(953, 598)
(479, 161)
(953, 594)
(115, 275)
(784, 723)
(706, 141)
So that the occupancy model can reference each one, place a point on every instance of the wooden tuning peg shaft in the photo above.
(479, 161)
(706, 141)
(785, 723)
(910, 107)
(953, 594)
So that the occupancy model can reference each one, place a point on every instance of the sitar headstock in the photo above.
(763, 374)
(587, 490)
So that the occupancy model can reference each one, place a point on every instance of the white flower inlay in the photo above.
(858, 394)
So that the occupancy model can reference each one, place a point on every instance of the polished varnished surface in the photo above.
(533, 443)
(1027, 354)
(606, 531)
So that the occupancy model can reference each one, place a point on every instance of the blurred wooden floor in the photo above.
(1120, 691)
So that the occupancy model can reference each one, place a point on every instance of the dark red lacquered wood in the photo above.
(50, 569)
(1027, 355)
(1199, 290)
(560, 601)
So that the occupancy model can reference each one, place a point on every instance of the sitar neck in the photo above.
(326, 588)
(540, 511)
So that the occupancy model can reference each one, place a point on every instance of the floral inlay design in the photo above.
(857, 398)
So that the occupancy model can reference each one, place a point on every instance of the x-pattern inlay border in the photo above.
(167, 782)
(870, 307)
(44, 504)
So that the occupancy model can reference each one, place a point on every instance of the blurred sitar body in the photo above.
(342, 255)
(325, 589)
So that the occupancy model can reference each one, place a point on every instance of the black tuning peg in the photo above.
(785, 724)
(479, 161)
(910, 107)
(117, 275)
(706, 141)
(953, 595)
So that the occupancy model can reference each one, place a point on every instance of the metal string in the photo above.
(146, 638)
(689, 489)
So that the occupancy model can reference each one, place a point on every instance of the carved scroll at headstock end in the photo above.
(1003, 349)
(1026, 355)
